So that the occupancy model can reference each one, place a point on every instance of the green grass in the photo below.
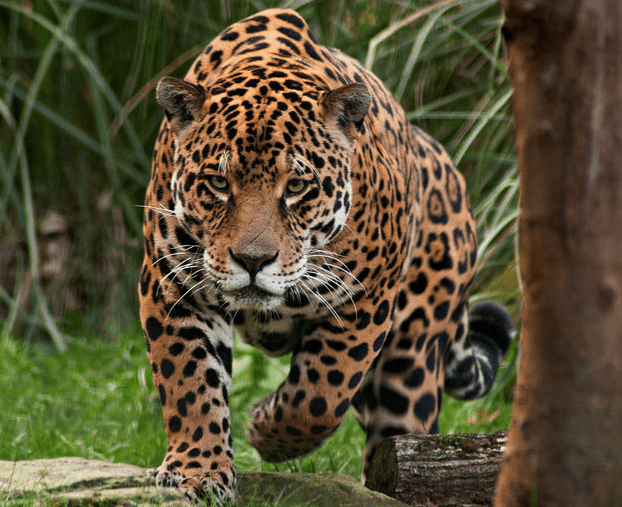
(97, 401)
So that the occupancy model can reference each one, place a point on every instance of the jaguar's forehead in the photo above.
(250, 115)
(263, 95)
(255, 123)
(267, 166)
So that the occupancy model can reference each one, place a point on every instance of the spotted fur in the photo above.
(291, 200)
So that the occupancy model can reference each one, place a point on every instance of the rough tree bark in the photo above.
(448, 470)
(565, 442)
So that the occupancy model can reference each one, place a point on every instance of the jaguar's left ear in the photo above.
(182, 101)
(347, 107)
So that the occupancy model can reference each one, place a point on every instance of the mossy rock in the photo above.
(81, 482)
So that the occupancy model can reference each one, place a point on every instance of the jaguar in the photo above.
(292, 203)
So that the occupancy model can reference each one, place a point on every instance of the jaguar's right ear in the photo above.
(346, 107)
(182, 101)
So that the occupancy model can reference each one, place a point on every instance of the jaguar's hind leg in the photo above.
(422, 358)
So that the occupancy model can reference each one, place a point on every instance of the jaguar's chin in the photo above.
(252, 298)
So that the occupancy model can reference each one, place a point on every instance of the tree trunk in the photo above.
(565, 442)
(438, 470)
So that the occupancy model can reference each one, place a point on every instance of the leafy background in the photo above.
(78, 121)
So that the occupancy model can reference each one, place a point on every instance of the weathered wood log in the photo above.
(447, 470)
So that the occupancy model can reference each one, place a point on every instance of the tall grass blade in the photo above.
(395, 27)
(484, 120)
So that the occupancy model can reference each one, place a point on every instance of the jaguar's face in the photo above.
(258, 221)
(262, 187)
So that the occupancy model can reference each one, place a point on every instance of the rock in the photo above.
(316, 490)
(81, 482)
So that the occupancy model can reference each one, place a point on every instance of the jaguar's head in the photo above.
(262, 180)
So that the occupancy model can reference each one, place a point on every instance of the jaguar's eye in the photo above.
(296, 186)
(220, 183)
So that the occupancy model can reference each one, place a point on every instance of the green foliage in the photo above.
(98, 402)
(79, 121)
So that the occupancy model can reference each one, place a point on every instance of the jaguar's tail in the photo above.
(471, 365)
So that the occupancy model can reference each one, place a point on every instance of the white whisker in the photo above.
(175, 271)
(222, 163)
(324, 254)
(324, 302)
(201, 285)
(159, 209)
(334, 284)
(299, 162)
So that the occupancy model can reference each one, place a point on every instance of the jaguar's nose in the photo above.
(253, 264)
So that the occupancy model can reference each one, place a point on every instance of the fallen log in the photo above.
(447, 470)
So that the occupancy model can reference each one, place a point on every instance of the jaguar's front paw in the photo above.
(218, 488)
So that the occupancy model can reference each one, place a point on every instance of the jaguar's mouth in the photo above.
(252, 297)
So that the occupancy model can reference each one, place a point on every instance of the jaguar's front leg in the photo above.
(327, 368)
(191, 362)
